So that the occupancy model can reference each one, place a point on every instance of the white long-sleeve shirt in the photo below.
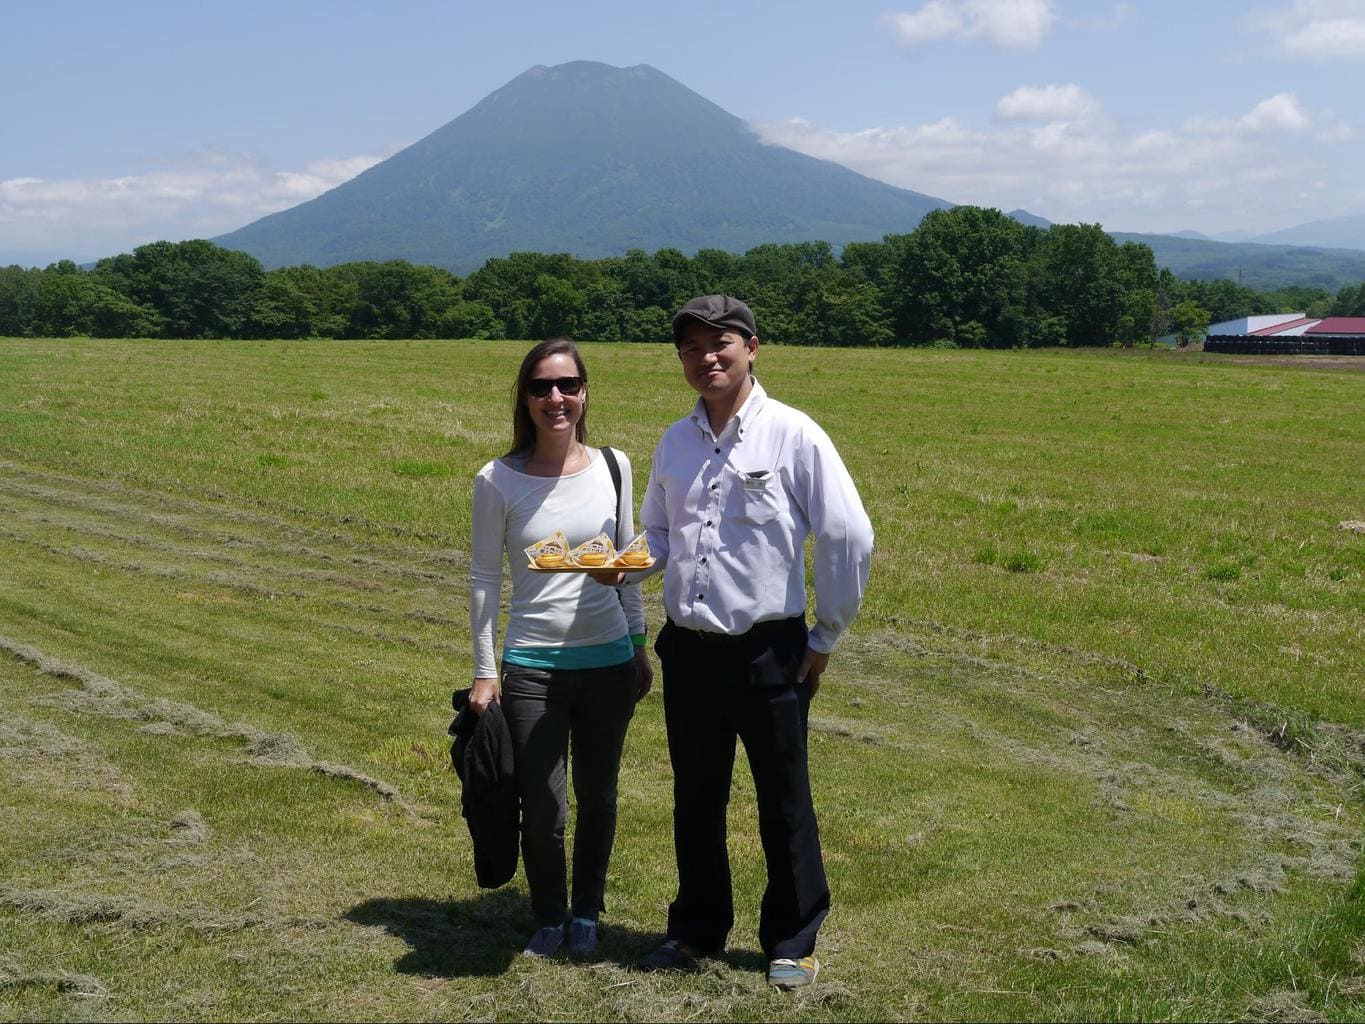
(512, 510)
(728, 517)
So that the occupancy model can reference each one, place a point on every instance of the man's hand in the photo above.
(646, 672)
(813, 666)
(609, 577)
(485, 692)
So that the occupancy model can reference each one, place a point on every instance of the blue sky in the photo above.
(132, 122)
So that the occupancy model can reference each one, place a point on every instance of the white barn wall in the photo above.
(1248, 324)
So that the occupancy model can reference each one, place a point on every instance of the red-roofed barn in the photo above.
(1289, 334)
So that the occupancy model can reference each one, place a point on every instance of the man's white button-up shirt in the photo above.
(728, 517)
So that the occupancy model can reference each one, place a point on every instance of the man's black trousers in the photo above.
(717, 690)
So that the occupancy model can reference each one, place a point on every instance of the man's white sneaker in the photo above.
(788, 974)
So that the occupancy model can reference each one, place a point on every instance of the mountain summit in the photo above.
(588, 159)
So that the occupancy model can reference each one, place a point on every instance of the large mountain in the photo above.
(588, 159)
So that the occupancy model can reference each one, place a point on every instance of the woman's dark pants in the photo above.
(717, 690)
(549, 713)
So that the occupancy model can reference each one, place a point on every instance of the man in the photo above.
(735, 490)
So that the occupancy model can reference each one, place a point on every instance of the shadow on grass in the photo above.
(451, 938)
(480, 937)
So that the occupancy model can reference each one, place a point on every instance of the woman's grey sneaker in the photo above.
(582, 937)
(546, 941)
(788, 974)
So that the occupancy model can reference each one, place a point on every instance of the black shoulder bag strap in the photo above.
(615, 470)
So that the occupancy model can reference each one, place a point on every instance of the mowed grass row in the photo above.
(233, 605)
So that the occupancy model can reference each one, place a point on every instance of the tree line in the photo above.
(968, 277)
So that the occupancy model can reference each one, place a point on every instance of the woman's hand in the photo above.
(646, 671)
(485, 692)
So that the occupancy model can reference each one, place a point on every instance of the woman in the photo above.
(573, 659)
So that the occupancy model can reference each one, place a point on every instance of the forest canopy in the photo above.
(967, 276)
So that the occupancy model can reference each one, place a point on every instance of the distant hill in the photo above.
(1335, 232)
(588, 159)
(1031, 219)
(1262, 267)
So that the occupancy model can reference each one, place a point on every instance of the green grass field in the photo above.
(1093, 749)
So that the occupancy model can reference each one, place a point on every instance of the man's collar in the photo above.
(752, 404)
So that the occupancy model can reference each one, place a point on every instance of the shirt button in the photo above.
(700, 596)
(717, 451)
(714, 486)
(708, 522)
(703, 559)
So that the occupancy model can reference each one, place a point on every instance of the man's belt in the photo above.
(759, 631)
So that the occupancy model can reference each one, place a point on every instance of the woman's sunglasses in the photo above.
(539, 387)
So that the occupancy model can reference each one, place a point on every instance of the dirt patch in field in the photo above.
(1326, 364)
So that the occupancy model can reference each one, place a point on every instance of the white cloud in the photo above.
(1209, 173)
(937, 19)
(1105, 20)
(1008, 24)
(208, 194)
(1273, 116)
(1314, 29)
(1047, 103)
(1342, 37)
(1278, 113)
(1335, 130)
(1013, 24)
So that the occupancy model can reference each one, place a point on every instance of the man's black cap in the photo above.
(724, 311)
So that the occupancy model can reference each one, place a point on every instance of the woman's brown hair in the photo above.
(523, 430)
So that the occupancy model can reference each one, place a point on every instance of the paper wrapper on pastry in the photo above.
(636, 553)
(593, 553)
(551, 552)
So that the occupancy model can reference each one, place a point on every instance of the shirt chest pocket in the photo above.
(759, 497)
